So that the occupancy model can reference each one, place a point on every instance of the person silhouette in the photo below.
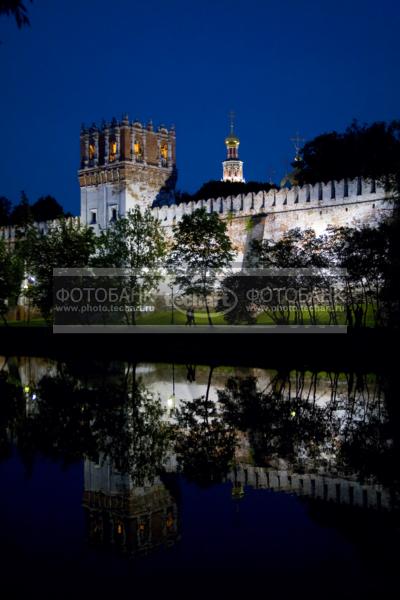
(190, 316)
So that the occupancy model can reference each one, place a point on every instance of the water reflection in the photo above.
(326, 437)
(125, 516)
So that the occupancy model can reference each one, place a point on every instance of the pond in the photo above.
(173, 479)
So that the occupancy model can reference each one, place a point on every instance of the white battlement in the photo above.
(321, 486)
(351, 202)
(306, 197)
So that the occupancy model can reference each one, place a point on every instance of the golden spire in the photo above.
(232, 141)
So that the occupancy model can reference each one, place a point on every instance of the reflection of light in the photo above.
(171, 401)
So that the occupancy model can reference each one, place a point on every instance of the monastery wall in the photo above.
(268, 215)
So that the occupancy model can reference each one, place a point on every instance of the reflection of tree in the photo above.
(278, 425)
(350, 432)
(138, 438)
(113, 416)
(204, 443)
(344, 423)
(10, 410)
(61, 425)
(370, 432)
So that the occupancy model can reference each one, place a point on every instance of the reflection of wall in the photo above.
(323, 487)
(127, 518)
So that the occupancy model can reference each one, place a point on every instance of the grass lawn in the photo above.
(39, 322)
(164, 317)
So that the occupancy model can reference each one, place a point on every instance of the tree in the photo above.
(5, 210)
(370, 151)
(363, 254)
(21, 215)
(11, 274)
(17, 9)
(223, 189)
(46, 208)
(201, 252)
(290, 297)
(137, 244)
(66, 244)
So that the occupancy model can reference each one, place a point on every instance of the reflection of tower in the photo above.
(232, 166)
(126, 517)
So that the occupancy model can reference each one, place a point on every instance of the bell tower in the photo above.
(232, 167)
(124, 164)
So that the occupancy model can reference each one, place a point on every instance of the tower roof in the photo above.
(232, 141)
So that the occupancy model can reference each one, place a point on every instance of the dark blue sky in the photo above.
(282, 65)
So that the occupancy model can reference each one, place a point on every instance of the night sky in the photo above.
(282, 66)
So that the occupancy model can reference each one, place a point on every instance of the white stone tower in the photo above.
(124, 165)
(232, 166)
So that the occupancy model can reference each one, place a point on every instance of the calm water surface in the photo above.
(121, 478)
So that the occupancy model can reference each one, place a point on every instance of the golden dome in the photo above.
(232, 141)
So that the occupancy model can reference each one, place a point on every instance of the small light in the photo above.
(292, 413)
(26, 389)
(171, 401)
(34, 396)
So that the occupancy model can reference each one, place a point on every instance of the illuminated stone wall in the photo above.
(268, 215)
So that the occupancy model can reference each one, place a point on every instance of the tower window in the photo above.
(113, 214)
(93, 217)
(113, 150)
(137, 148)
(92, 151)
(164, 151)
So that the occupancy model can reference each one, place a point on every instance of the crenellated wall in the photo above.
(268, 215)
(321, 486)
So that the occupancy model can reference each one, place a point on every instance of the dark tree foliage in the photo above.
(16, 9)
(66, 244)
(11, 275)
(46, 208)
(240, 311)
(223, 189)
(370, 151)
(21, 215)
(5, 211)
